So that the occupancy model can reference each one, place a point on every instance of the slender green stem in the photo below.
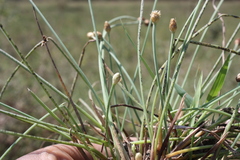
(46, 108)
(166, 82)
(16, 69)
(31, 70)
(156, 67)
(25, 133)
(124, 71)
(68, 55)
(139, 53)
(187, 150)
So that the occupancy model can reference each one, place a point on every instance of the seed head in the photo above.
(91, 35)
(116, 78)
(237, 42)
(138, 156)
(155, 16)
(140, 19)
(107, 27)
(238, 77)
(173, 25)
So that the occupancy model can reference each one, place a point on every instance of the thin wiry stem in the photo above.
(79, 64)
(212, 21)
(32, 72)
(139, 52)
(58, 74)
(223, 30)
(212, 46)
(16, 69)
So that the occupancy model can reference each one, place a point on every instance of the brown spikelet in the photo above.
(173, 25)
(91, 35)
(237, 42)
(107, 27)
(238, 77)
(155, 16)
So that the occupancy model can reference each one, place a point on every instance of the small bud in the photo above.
(140, 19)
(116, 78)
(107, 27)
(238, 77)
(155, 16)
(138, 156)
(91, 35)
(146, 22)
(173, 25)
(237, 42)
(99, 34)
(103, 116)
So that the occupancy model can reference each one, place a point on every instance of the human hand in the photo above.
(58, 152)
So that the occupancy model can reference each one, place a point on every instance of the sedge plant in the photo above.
(145, 115)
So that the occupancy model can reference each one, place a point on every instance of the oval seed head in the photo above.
(173, 25)
(91, 35)
(155, 16)
(146, 22)
(99, 34)
(138, 156)
(237, 42)
(238, 77)
(107, 27)
(140, 19)
(116, 78)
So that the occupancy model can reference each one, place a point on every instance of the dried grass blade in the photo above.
(171, 127)
(186, 140)
(216, 146)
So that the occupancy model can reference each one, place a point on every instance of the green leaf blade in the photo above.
(218, 83)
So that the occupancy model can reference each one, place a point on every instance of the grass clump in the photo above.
(148, 112)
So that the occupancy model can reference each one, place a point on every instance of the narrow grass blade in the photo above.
(100, 155)
(182, 92)
(220, 79)
(25, 133)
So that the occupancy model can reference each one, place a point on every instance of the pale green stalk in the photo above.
(139, 53)
(196, 99)
(42, 124)
(187, 150)
(148, 30)
(109, 123)
(25, 133)
(31, 70)
(156, 67)
(168, 67)
(46, 108)
(16, 69)
(68, 54)
(215, 100)
(231, 120)
(166, 106)
(100, 58)
(113, 55)
(195, 53)
(203, 35)
(236, 140)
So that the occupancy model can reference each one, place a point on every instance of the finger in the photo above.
(55, 152)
